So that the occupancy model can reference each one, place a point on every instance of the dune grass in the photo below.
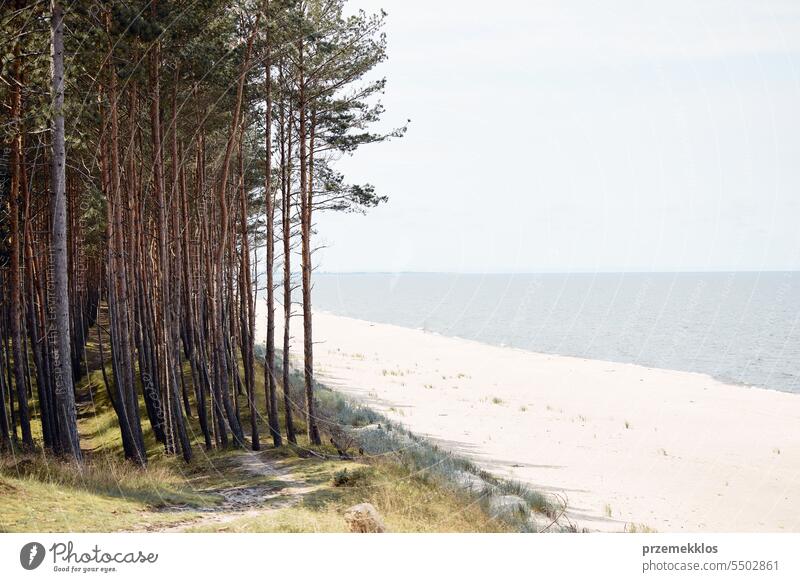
(54, 496)
(407, 502)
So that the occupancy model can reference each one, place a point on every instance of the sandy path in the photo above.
(674, 451)
(245, 501)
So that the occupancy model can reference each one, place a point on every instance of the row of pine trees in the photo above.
(162, 163)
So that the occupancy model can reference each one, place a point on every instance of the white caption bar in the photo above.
(303, 557)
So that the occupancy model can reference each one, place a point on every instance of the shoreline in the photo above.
(705, 375)
(626, 445)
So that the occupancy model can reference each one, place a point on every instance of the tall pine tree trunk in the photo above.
(218, 296)
(270, 383)
(62, 363)
(286, 227)
(305, 236)
(119, 289)
(246, 306)
(19, 348)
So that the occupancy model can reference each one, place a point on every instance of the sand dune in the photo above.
(624, 444)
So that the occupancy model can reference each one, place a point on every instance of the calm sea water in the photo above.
(738, 327)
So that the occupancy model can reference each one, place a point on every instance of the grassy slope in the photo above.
(109, 494)
(406, 502)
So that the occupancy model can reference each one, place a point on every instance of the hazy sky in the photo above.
(582, 135)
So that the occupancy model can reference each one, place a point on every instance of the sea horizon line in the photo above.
(575, 272)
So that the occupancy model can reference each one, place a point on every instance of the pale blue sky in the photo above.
(566, 135)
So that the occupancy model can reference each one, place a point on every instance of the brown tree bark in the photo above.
(19, 348)
(305, 236)
(286, 226)
(195, 348)
(66, 414)
(270, 381)
(217, 300)
(169, 315)
(130, 423)
(36, 319)
(246, 306)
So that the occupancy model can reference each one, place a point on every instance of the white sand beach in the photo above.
(624, 444)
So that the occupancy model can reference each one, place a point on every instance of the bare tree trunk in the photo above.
(246, 306)
(5, 439)
(19, 348)
(162, 311)
(130, 423)
(9, 375)
(36, 326)
(286, 226)
(196, 358)
(169, 315)
(62, 364)
(143, 320)
(218, 310)
(270, 383)
(305, 235)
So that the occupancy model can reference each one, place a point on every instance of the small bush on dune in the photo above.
(357, 478)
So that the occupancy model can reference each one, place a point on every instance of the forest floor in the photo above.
(293, 488)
